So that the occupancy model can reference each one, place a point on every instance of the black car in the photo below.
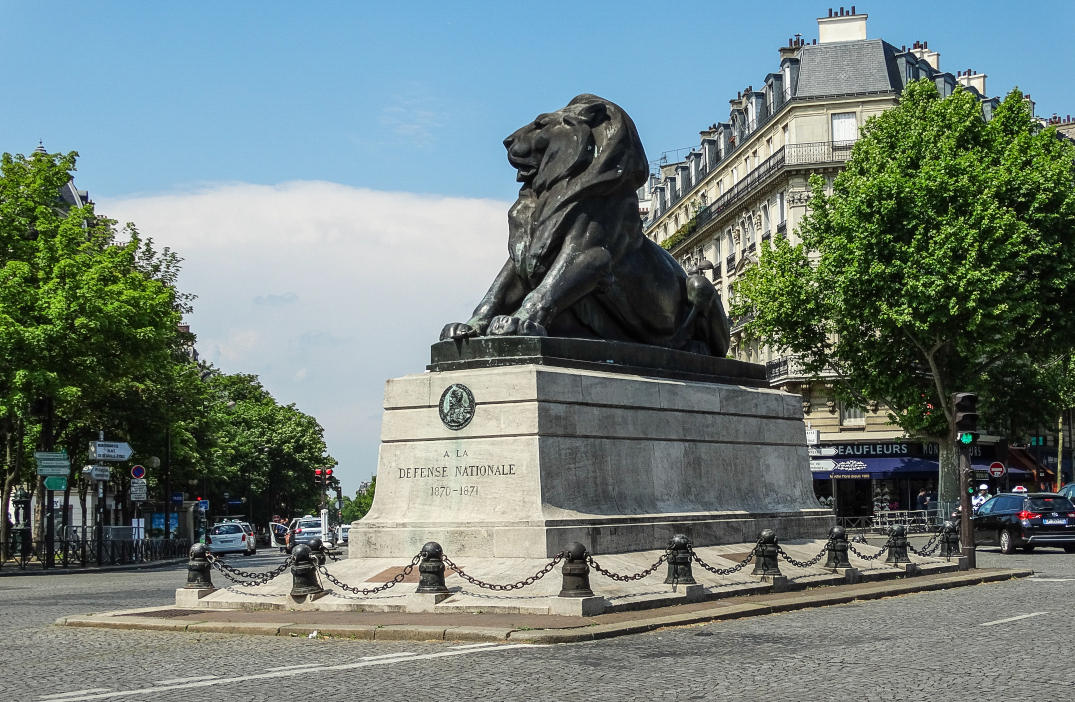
(1026, 520)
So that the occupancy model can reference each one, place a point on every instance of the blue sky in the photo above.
(309, 159)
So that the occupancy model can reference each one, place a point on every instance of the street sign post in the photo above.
(139, 490)
(822, 465)
(177, 498)
(203, 505)
(821, 450)
(997, 469)
(138, 472)
(110, 450)
(56, 482)
(100, 472)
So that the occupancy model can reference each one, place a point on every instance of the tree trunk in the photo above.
(948, 476)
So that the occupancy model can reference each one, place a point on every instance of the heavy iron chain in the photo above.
(506, 586)
(331, 556)
(255, 579)
(722, 571)
(803, 564)
(625, 578)
(367, 591)
(932, 545)
(874, 557)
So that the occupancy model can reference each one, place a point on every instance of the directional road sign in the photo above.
(139, 491)
(56, 482)
(100, 472)
(997, 469)
(822, 465)
(110, 450)
(52, 463)
(203, 505)
(821, 450)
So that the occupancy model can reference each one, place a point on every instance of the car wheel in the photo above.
(1007, 546)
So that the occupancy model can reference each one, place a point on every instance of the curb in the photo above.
(12, 571)
(769, 604)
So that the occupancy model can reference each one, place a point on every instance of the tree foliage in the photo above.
(357, 507)
(941, 261)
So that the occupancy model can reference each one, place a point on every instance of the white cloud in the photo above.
(325, 291)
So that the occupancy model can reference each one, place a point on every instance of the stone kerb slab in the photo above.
(616, 461)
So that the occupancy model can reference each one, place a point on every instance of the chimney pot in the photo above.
(925, 45)
(815, 42)
(830, 12)
(841, 10)
(852, 9)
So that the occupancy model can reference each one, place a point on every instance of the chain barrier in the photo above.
(930, 548)
(253, 579)
(626, 578)
(331, 556)
(803, 564)
(367, 591)
(722, 571)
(864, 557)
(507, 586)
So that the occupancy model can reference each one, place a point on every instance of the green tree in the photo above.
(356, 508)
(941, 261)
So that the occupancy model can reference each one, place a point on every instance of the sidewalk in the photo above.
(518, 628)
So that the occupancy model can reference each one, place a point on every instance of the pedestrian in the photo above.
(922, 501)
(980, 497)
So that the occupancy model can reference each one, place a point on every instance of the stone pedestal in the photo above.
(619, 462)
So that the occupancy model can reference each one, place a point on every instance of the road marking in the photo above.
(1051, 580)
(388, 655)
(172, 681)
(369, 662)
(294, 667)
(65, 695)
(478, 645)
(1012, 619)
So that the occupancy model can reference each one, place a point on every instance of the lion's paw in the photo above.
(457, 330)
(503, 325)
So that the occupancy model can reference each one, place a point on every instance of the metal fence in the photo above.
(79, 548)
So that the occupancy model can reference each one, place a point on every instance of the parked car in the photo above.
(1068, 491)
(251, 538)
(303, 530)
(228, 537)
(1026, 520)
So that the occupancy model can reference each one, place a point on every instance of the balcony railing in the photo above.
(783, 369)
(819, 152)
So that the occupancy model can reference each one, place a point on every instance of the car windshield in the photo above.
(1050, 504)
(310, 524)
(226, 529)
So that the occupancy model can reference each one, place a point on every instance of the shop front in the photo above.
(866, 479)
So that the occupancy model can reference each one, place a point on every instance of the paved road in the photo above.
(948, 645)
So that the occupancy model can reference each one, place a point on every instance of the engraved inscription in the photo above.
(443, 479)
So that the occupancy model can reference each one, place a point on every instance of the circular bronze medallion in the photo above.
(456, 406)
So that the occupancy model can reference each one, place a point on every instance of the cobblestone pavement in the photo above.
(936, 646)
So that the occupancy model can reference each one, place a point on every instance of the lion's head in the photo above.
(591, 143)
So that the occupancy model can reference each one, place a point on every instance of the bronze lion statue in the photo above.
(578, 264)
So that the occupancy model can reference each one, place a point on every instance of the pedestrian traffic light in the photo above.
(1037, 440)
(964, 408)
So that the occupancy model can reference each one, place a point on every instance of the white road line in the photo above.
(295, 667)
(373, 661)
(487, 644)
(1050, 580)
(387, 655)
(1012, 619)
(65, 695)
(172, 681)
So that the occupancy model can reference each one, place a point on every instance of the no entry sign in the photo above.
(997, 469)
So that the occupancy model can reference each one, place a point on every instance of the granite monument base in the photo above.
(516, 461)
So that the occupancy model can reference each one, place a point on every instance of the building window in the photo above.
(765, 219)
(735, 175)
(852, 416)
(844, 127)
(787, 133)
(769, 147)
(781, 214)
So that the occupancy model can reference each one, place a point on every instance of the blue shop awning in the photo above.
(866, 467)
(885, 468)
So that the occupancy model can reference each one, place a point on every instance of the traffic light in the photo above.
(964, 406)
(1037, 440)
(322, 475)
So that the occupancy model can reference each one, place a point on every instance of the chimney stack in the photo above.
(841, 26)
(974, 80)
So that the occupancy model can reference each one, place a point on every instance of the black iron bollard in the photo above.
(897, 546)
(317, 549)
(765, 554)
(304, 572)
(679, 561)
(837, 549)
(431, 570)
(576, 572)
(950, 541)
(198, 575)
